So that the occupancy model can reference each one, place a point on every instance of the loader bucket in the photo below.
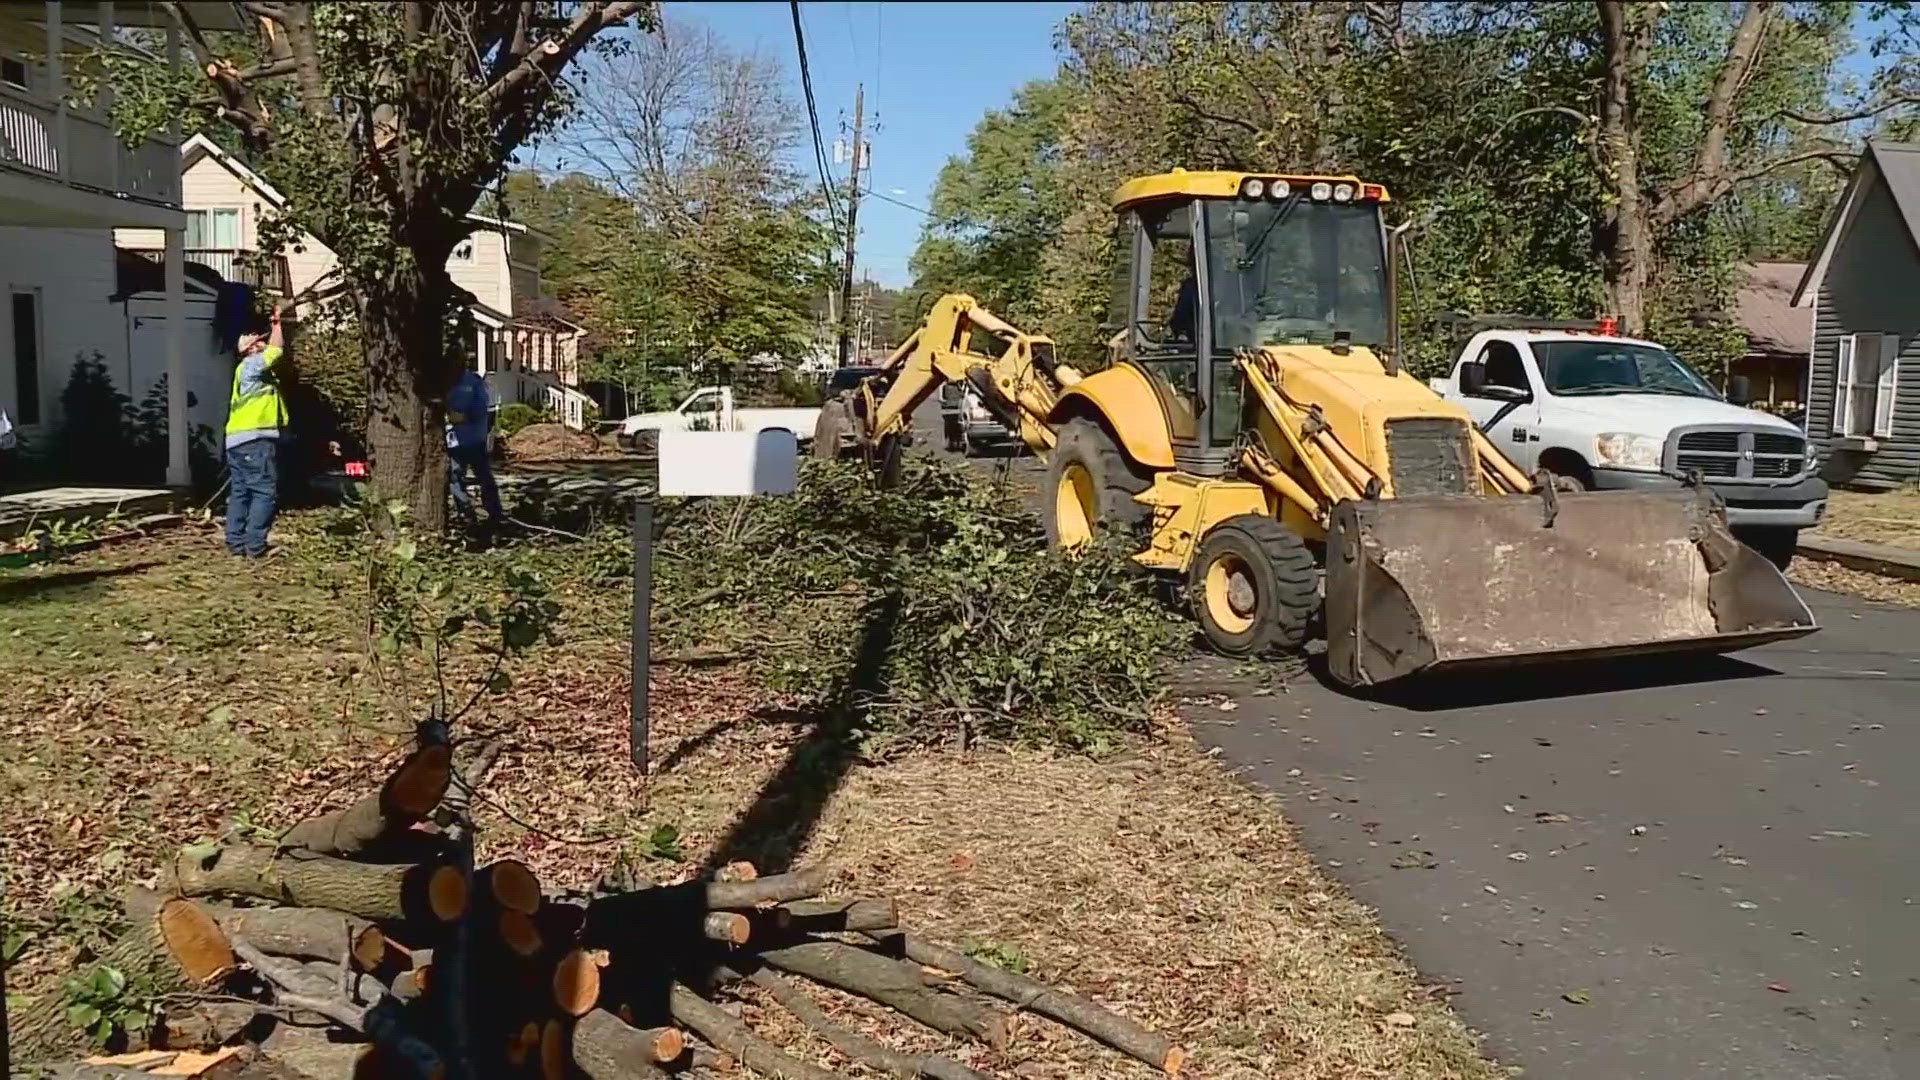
(1443, 582)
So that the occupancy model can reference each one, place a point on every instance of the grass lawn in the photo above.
(1883, 517)
(157, 692)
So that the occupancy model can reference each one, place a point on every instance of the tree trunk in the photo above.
(1625, 236)
(410, 370)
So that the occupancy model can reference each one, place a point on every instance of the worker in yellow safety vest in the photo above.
(256, 414)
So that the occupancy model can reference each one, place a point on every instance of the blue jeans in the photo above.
(459, 460)
(253, 494)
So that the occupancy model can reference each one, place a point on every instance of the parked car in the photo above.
(711, 408)
(1616, 412)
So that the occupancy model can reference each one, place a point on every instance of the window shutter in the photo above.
(1887, 387)
(1843, 385)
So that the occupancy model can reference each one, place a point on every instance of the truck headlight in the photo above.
(1625, 450)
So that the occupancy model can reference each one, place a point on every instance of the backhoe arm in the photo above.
(1019, 384)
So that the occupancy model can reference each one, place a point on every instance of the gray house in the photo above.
(1862, 292)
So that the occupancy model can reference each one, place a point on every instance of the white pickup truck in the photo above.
(711, 408)
(1617, 412)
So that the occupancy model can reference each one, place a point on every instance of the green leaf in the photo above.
(406, 549)
(82, 1015)
(219, 714)
(110, 981)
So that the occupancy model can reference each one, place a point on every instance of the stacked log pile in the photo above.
(370, 921)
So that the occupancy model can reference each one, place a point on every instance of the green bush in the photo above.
(516, 415)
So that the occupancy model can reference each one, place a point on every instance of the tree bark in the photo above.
(409, 794)
(307, 933)
(853, 1044)
(172, 940)
(606, 1048)
(410, 372)
(425, 891)
(820, 916)
(1625, 235)
(1072, 1010)
(741, 895)
(893, 984)
(713, 1024)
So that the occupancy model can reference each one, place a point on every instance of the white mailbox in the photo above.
(721, 463)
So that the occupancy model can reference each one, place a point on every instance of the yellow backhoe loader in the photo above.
(1256, 434)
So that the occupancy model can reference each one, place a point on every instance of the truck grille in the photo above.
(1737, 454)
(1430, 457)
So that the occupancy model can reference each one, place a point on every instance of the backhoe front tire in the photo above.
(1090, 487)
(1253, 587)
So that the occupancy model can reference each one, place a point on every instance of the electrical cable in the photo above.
(813, 117)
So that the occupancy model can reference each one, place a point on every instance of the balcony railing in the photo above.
(235, 264)
(93, 157)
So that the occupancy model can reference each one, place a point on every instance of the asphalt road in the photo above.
(1684, 868)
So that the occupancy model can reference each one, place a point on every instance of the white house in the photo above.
(526, 353)
(66, 182)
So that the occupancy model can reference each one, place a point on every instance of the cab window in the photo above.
(1504, 366)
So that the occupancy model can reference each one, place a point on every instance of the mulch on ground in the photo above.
(555, 442)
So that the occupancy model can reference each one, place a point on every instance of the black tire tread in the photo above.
(1295, 592)
(1084, 440)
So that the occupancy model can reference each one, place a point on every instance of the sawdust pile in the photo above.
(555, 442)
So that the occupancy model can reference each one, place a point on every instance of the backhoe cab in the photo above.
(1254, 433)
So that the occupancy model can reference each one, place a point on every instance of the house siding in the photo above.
(485, 275)
(73, 271)
(1869, 288)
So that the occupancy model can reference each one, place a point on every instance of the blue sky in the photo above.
(931, 71)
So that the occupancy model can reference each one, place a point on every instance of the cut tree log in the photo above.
(727, 927)
(853, 1044)
(409, 794)
(510, 884)
(553, 1051)
(308, 933)
(745, 895)
(576, 980)
(426, 891)
(893, 984)
(715, 1025)
(519, 934)
(172, 943)
(1087, 1017)
(204, 1025)
(821, 916)
(606, 1048)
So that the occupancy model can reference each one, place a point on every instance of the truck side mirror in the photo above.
(1740, 390)
(1473, 378)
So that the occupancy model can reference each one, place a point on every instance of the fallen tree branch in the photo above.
(821, 916)
(432, 891)
(853, 1044)
(1076, 1012)
(741, 895)
(607, 1048)
(893, 984)
(408, 795)
(713, 1024)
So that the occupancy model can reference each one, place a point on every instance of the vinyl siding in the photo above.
(1870, 287)
(485, 275)
(73, 271)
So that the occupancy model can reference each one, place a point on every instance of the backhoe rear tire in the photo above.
(1253, 587)
(836, 420)
(1090, 487)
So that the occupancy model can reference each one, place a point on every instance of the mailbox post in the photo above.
(695, 464)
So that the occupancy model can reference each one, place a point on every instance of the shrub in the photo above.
(516, 415)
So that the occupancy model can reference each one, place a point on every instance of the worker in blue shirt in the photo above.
(469, 419)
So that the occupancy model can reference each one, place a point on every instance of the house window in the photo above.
(13, 72)
(1867, 376)
(214, 229)
(464, 252)
(26, 355)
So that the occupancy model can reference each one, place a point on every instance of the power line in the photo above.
(947, 223)
(813, 118)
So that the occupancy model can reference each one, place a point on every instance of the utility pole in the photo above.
(853, 229)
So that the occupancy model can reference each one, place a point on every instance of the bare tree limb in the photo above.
(1847, 118)
(545, 61)
(1709, 178)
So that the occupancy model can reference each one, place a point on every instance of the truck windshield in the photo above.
(1295, 272)
(1615, 367)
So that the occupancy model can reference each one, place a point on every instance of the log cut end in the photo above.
(668, 1044)
(554, 1064)
(576, 982)
(519, 933)
(737, 871)
(446, 893)
(727, 927)
(369, 948)
(513, 886)
(196, 940)
(418, 785)
(523, 1043)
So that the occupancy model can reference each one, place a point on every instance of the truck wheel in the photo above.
(1253, 586)
(1092, 486)
(834, 422)
(1776, 543)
